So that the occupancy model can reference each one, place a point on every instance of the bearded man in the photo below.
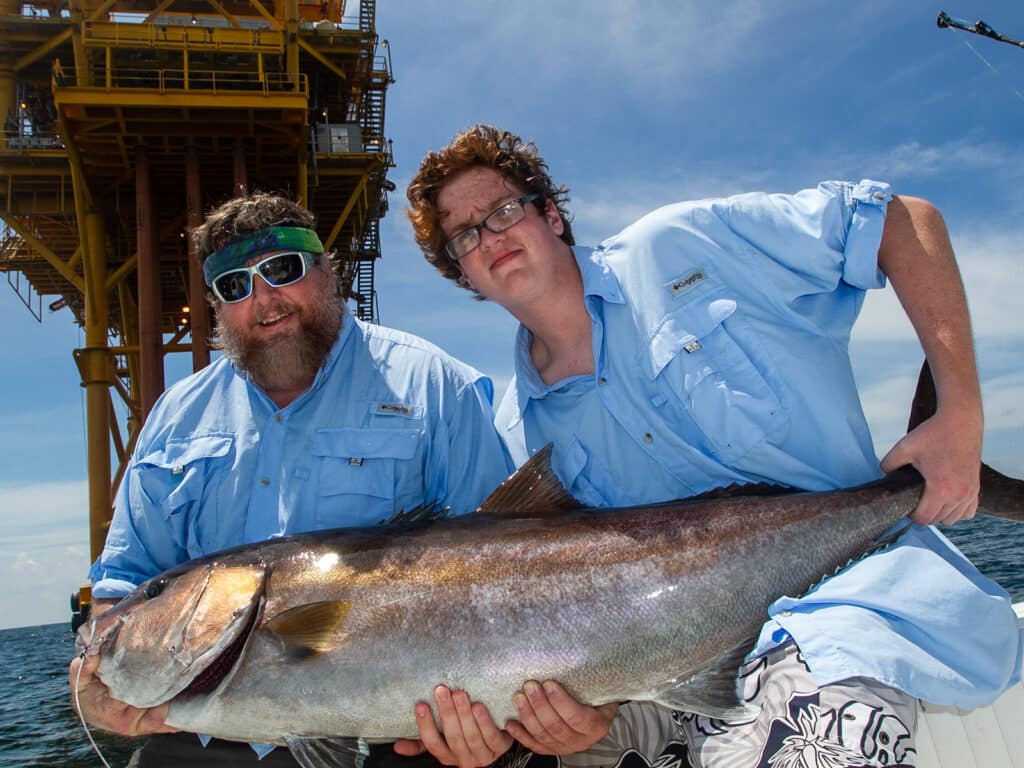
(310, 420)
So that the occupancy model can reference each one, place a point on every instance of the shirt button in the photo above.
(648, 438)
(277, 417)
(265, 481)
(602, 381)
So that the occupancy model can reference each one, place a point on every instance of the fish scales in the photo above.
(616, 604)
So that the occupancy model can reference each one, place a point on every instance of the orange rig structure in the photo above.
(125, 121)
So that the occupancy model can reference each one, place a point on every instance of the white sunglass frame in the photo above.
(307, 259)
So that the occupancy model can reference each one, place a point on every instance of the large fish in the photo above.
(338, 633)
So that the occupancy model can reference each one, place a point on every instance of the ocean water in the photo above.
(39, 728)
(37, 725)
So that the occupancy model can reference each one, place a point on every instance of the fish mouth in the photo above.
(220, 668)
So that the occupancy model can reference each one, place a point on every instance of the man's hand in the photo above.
(101, 711)
(467, 738)
(946, 450)
(554, 723)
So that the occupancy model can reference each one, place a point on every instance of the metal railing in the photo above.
(106, 33)
(172, 80)
(19, 143)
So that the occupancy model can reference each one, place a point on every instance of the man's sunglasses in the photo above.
(277, 271)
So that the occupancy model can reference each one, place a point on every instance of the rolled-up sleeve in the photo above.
(866, 203)
(816, 238)
(127, 558)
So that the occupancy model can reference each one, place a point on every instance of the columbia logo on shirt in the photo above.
(394, 409)
(687, 281)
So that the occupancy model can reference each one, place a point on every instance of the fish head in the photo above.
(180, 631)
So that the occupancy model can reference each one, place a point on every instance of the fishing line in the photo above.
(85, 725)
(994, 70)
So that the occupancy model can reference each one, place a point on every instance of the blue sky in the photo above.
(633, 105)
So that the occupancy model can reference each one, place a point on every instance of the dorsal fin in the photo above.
(533, 490)
(418, 514)
(745, 489)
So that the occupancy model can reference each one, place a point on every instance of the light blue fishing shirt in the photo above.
(391, 422)
(720, 340)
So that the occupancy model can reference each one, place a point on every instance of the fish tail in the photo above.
(1001, 496)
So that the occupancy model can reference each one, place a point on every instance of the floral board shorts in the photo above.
(854, 723)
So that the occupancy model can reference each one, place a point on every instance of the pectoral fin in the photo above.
(311, 628)
(713, 691)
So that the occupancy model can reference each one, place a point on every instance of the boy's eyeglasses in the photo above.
(278, 270)
(496, 221)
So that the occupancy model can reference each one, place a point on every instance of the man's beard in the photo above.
(291, 361)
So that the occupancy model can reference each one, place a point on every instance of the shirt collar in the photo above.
(598, 278)
(599, 282)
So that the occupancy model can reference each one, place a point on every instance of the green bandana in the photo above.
(238, 252)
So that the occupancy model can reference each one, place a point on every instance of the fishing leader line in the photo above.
(78, 709)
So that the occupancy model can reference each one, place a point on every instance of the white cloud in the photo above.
(991, 265)
(887, 406)
(915, 160)
(1004, 420)
(44, 551)
(604, 206)
(661, 49)
(1004, 402)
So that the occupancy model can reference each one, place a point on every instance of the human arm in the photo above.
(916, 255)
(90, 697)
(550, 722)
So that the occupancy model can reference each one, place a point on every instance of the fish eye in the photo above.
(154, 588)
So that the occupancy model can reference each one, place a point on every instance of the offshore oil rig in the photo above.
(125, 120)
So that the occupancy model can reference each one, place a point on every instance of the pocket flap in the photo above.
(686, 326)
(180, 452)
(350, 442)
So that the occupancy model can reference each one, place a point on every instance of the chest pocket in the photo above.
(177, 475)
(358, 472)
(698, 365)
